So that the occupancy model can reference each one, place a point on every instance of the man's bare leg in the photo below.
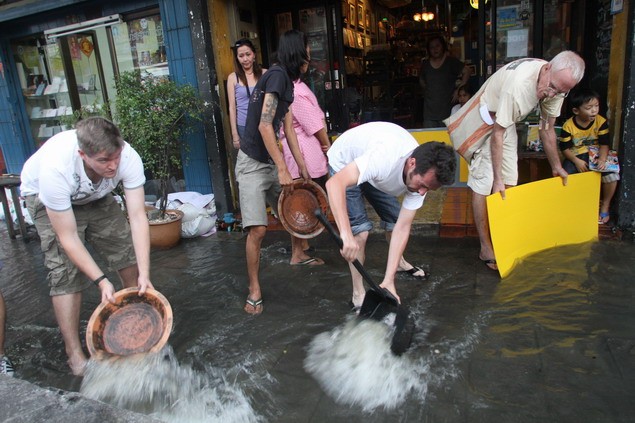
(479, 208)
(254, 240)
(358, 281)
(67, 308)
(298, 254)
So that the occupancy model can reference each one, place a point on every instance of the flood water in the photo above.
(555, 341)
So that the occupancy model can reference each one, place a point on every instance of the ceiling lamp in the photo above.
(474, 3)
(427, 16)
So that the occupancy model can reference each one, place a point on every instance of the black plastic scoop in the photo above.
(379, 302)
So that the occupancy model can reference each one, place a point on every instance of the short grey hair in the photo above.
(570, 60)
(96, 135)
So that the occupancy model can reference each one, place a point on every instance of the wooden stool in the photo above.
(12, 182)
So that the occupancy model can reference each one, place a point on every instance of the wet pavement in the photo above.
(552, 342)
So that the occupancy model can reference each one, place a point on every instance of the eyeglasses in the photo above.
(556, 92)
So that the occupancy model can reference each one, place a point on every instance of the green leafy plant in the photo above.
(154, 114)
(95, 109)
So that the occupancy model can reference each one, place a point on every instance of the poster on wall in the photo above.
(517, 42)
(73, 45)
(617, 6)
(507, 18)
(360, 15)
(86, 46)
(352, 13)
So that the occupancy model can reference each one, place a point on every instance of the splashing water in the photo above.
(354, 365)
(155, 384)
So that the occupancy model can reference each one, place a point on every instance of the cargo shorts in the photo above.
(101, 224)
(258, 185)
(481, 173)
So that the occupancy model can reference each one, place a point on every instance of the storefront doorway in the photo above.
(318, 22)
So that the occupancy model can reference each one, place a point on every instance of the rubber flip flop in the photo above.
(490, 263)
(413, 272)
(311, 261)
(255, 304)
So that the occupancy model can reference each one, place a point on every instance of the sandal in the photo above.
(311, 261)
(254, 304)
(416, 272)
(490, 263)
(604, 218)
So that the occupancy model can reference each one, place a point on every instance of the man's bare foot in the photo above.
(77, 365)
(490, 263)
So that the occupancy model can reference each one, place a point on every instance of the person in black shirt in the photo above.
(260, 167)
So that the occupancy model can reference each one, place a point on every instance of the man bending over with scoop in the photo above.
(380, 161)
(67, 184)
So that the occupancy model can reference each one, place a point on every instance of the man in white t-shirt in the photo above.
(483, 131)
(67, 185)
(380, 161)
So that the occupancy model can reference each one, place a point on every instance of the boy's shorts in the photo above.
(607, 177)
(101, 224)
(481, 172)
(258, 185)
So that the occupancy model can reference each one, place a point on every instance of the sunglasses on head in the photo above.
(242, 42)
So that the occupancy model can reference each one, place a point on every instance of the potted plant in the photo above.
(154, 114)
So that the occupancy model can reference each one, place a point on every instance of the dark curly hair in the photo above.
(438, 156)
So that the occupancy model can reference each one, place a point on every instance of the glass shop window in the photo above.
(138, 44)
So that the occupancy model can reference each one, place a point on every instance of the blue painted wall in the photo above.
(176, 28)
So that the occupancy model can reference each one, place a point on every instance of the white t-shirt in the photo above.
(511, 92)
(380, 150)
(56, 173)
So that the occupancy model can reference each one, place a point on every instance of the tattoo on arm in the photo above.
(269, 108)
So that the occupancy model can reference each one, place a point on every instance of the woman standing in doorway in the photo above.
(240, 85)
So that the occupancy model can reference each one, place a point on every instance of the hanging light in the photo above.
(425, 15)
(474, 3)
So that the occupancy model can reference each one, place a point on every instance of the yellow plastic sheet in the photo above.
(541, 215)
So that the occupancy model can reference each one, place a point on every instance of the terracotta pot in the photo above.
(166, 234)
(133, 324)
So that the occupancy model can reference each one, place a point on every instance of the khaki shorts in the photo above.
(101, 224)
(259, 186)
(481, 173)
